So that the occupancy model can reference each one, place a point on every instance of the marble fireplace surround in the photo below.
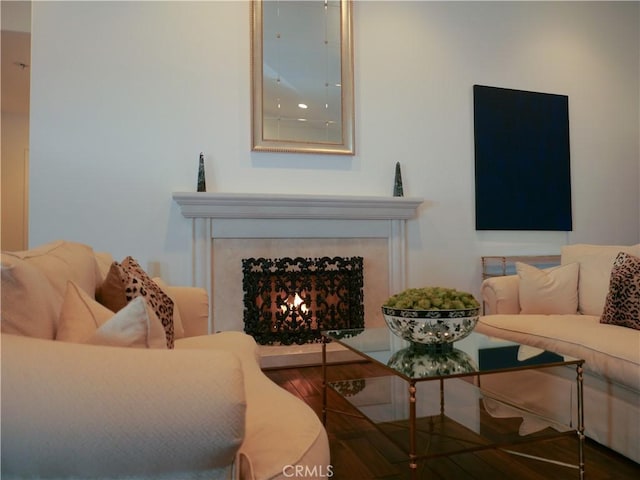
(227, 227)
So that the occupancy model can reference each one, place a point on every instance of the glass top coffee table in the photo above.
(480, 394)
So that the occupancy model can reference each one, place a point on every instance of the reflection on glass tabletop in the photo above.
(476, 353)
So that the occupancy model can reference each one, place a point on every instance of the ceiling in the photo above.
(16, 56)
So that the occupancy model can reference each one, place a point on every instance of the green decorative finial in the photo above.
(202, 184)
(397, 184)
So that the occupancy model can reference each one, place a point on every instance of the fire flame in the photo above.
(294, 304)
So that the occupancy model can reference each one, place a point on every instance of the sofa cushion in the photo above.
(83, 320)
(30, 304)
(622, 306)
(63, 261)
(608, 350)
(595, 271)
(126, 281)
(549, 291)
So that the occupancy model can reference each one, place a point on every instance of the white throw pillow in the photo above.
(548, 291)
(84, 320)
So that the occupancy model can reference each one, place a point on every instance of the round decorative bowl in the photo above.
(418, 361)
(431, 327)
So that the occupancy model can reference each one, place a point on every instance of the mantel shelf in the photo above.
(293, 206)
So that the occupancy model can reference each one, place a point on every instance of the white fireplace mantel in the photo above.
(255, 206)
(237, 215)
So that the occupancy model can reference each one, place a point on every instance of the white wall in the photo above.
(125, 95)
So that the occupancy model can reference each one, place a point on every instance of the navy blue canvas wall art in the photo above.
(522, 160)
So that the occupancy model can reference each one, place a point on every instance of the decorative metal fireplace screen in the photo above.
(290, 301)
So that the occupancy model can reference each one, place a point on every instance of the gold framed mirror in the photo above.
(302, 76)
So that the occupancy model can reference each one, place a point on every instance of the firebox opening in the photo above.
(289, 301)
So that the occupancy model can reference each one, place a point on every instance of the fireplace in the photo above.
(228, 227)
(291, 300)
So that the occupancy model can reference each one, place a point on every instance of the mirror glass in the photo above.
(302, 76)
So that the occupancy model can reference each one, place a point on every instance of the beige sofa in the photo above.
(560, 310)
(201, 410)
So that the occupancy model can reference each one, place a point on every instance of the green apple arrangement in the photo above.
(432, 298)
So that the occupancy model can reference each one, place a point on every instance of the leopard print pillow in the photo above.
(126, 281)
(622, 306)
(139, 284)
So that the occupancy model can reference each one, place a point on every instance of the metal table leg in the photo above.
(324, 382)
(579, 371)
(413, 465)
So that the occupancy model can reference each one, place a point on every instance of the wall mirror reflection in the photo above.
(302, 76)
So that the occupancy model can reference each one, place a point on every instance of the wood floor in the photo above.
(360, 452)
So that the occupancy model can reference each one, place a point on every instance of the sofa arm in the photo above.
(193, 304)
(72, 410)
(500, 295)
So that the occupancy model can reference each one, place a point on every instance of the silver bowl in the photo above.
(431, 327)
(418, 361)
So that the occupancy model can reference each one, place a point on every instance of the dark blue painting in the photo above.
(522, 161)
